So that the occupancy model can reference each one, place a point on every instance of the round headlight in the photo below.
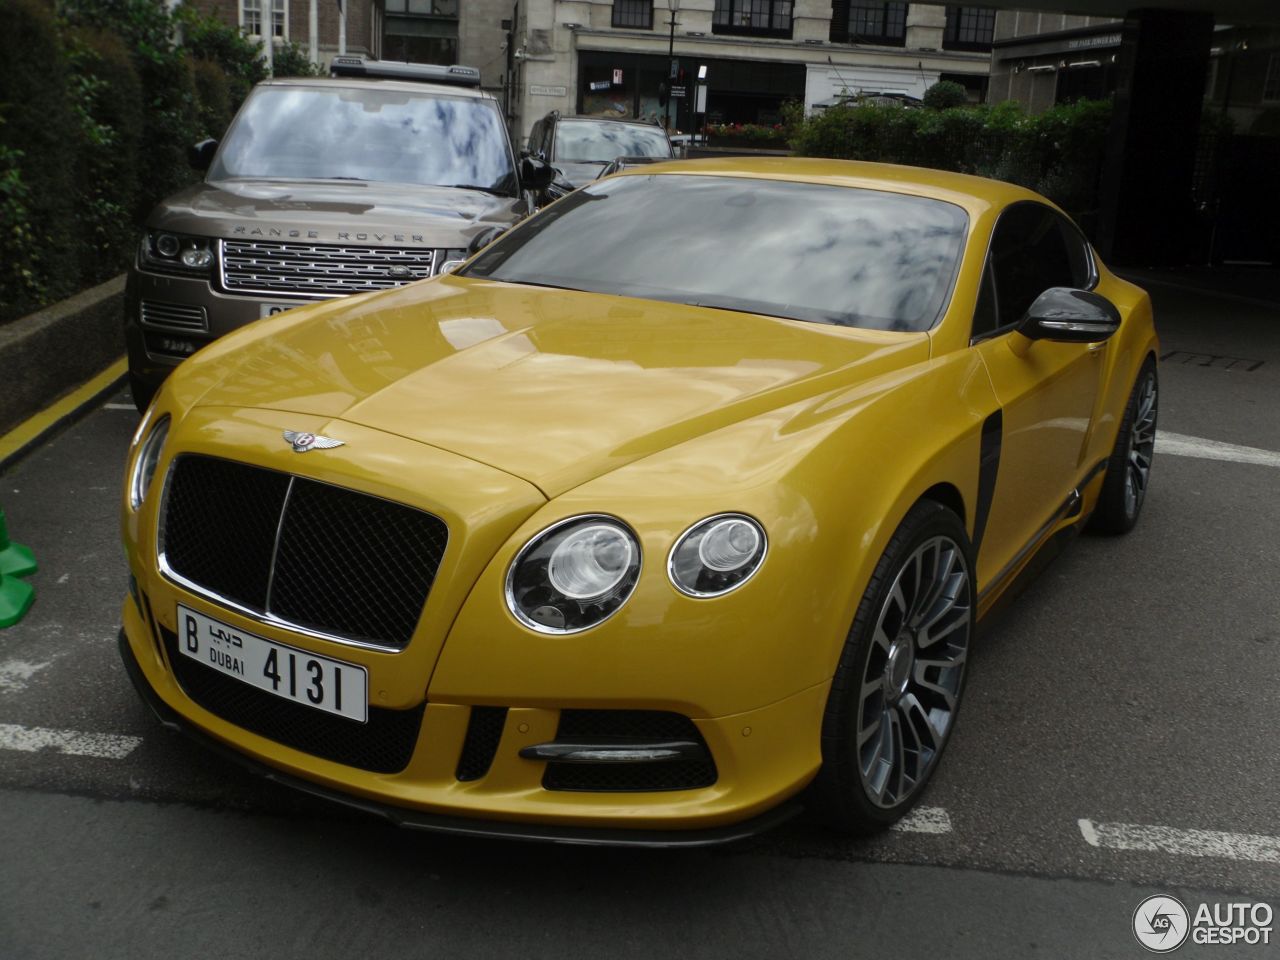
(717, 555)
(167, 245)
(573, 575)
(144, 466)
(196, 257)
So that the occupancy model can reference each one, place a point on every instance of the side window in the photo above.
(1078, 251)
(1029, 255)
(984, 314)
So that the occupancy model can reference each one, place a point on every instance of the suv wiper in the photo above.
(475, 186)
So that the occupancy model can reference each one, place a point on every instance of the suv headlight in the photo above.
(449, 260)
(144, 465)
(573, 575)
(176, 253)
(717, 555)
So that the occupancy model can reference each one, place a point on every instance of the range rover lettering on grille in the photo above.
(302, 442)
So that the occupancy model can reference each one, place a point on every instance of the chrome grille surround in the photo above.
(317, 270)
(173, 316)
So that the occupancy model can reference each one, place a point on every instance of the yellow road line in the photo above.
(34, 426)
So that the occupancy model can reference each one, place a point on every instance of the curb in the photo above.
(33, 431)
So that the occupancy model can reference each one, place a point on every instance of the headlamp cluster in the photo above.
(579, 572)
(176, 253)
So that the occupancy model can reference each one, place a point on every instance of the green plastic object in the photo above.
(16, 596)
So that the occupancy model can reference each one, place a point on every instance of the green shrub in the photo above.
(945, 94)
(213, 95)
(291, 61)
(37, 172)
(238, 57)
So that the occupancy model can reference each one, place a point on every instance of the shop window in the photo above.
(633, 14)
(882, 24)
(969, 28)
(760, 18)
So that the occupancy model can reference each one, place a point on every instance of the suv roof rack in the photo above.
(457, 75)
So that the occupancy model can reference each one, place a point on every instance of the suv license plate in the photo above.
(278, 306)
(293, 674)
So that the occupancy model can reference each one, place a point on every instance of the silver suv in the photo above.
(384, 174)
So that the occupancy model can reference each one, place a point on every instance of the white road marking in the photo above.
(1187, 843)
(1177, 445)
(14, 674)
(120, 406)
(64, 578)
(108, 746)
(924, 820)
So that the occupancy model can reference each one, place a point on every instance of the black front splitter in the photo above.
(457, 826)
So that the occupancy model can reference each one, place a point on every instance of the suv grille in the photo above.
(383, 745)
(319, 269)
(314, 555)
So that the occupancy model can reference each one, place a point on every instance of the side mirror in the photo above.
(535, 174)
(200, 155)
(1070, 316)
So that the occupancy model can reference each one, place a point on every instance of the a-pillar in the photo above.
(1146, 213)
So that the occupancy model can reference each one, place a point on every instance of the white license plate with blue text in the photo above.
(298, 675)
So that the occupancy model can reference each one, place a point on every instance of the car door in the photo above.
(1046, 389)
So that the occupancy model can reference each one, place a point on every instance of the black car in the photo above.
(580, 147)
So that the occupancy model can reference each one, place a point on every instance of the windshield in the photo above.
(830, 254)
(363, 133)
(587, 141)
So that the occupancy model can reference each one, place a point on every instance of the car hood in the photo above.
(331, 211)
(552, 386)
(576, 174)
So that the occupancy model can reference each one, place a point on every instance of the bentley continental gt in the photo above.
(670, 512)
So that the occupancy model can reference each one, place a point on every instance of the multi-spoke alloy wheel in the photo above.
(900, 678)
(912, 678)
(1129, 471)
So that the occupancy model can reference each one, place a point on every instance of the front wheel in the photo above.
(897, 687)
(1125, 488)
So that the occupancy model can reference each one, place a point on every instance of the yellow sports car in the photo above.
(671, 511)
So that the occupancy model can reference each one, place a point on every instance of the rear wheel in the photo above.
(897, 688)
(1125, 488)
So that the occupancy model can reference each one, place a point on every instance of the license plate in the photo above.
(292, 674)
(278, 306)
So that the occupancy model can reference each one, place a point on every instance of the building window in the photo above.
(251, 17)
(760, 18)
(883, 24)
(1271, 86)
(969, 28)
(634, 14)
(421, 31)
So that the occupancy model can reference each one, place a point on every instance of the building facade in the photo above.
(1042, 59)
(314, 25)
(735, 61)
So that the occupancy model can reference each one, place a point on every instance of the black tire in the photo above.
(1124, 490)
(141, 391)
(843, 795)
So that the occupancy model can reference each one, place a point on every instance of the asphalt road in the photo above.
(1134, 686)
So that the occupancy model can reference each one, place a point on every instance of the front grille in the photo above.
(318, 269)
(176, 316)
(628, 726)
(484, 731)
(382, 745)
(317, 556)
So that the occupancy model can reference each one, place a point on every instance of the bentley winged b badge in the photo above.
(302, 442)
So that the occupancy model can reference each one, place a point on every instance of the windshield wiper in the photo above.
(475, 186)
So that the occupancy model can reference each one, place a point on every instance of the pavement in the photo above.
(1119, 740)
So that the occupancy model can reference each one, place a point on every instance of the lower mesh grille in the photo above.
(484, 730)
(628, 726)
(383, 745)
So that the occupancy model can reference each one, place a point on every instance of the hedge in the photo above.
(1057, 153)
(100, 101)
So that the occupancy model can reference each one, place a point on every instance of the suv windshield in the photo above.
(364, 133)
(806, 251)
(599, 141)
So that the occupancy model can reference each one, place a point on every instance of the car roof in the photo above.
(398, 86)
(629, 122)
(968, 191)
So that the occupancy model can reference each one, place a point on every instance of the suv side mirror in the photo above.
(200, 155)
(535, 174)
(1070, 316)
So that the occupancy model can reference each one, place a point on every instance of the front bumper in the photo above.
(761, 767)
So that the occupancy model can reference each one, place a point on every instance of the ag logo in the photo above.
(1161, 924)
